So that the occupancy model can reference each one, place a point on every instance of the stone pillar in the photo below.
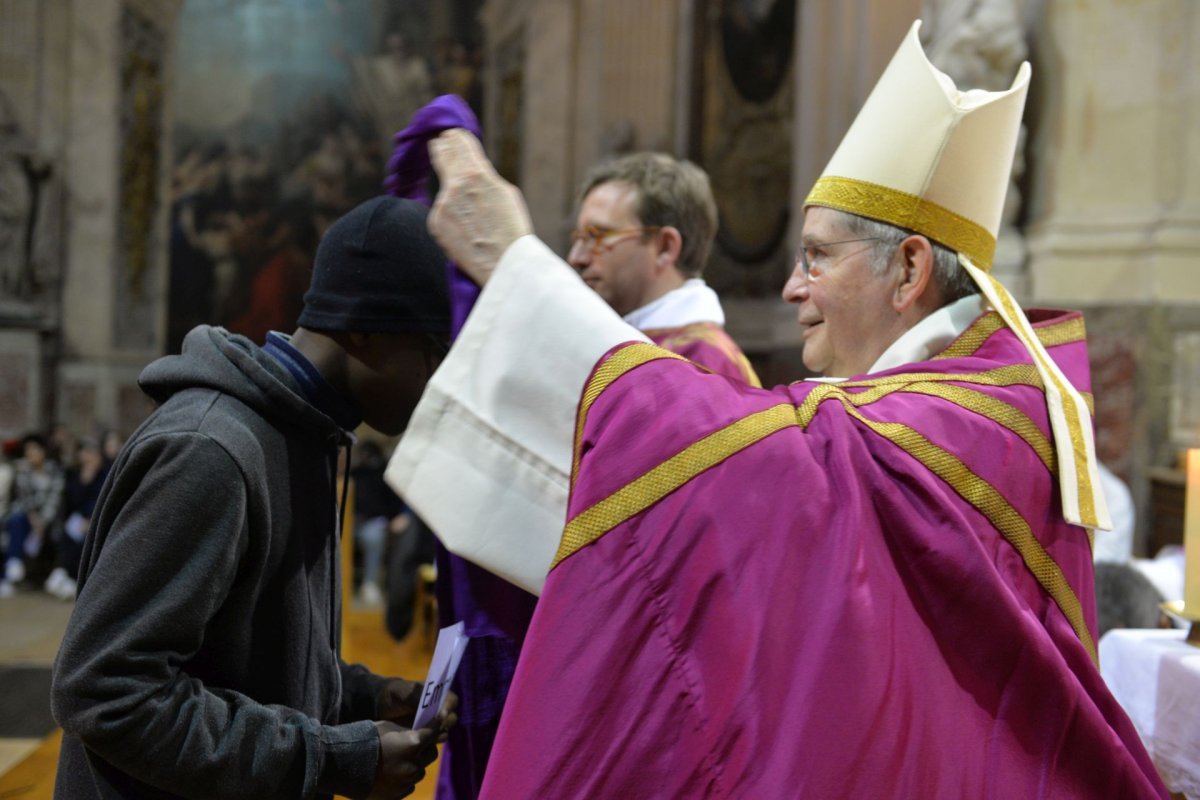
(1114, 209)
(626, 77)
(842, 50)
(1115, 201)
(547, 176)
(113, 302)
(93, 57)
(33, 121)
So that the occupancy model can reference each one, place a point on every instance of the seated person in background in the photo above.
(378, 512)
(7, 476)
(411, 560)
(34, 512)
(1115, 546)
(202, 659)
(84, 481)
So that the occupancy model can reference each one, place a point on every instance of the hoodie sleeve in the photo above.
(160, 562)
(360, 692)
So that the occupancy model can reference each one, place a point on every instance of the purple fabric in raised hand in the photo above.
(496, 613)
(408, 173)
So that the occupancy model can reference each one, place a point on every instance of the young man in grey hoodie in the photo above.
(202, 658)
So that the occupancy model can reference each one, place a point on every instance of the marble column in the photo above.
(1115, 200)
(113, 300)
(1114, 209)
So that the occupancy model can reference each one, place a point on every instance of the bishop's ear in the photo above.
(916, 284)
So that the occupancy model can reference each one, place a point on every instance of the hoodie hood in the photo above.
(213, 358)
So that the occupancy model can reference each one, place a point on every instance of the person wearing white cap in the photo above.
(874, 585)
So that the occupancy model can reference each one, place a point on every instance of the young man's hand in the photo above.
(398, 702)
(403, 756)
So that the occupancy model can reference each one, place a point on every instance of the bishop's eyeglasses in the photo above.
(812, 255)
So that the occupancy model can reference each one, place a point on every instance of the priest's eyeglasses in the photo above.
(812, 257)
(599, 240)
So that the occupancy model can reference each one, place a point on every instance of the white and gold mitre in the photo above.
(924, 156)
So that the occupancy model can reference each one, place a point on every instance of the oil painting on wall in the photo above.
(283, 118)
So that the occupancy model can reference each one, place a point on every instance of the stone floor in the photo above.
(31, 626)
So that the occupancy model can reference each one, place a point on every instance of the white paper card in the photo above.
(451, 644)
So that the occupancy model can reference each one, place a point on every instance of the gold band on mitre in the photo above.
(905, 210)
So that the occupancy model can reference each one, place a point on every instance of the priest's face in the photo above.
(845, 307)
(610, 251)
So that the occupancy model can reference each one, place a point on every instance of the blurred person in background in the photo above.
(83, 484)
(35, 507)
(7, 476)
(378, 512)
(111, 442)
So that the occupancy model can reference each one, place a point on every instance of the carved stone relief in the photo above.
(28, 271)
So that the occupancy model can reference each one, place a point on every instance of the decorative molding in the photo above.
(1120, 259)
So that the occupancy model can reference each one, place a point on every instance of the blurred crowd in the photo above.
(249, 206)
(50, 482)
(49, 485)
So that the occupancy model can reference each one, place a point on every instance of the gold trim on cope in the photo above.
(995, 409)
(710, 334)
(655, 484)
(1068, 332)
(907, 211)
(986, 499)
(652, 486)
(973, 338)
(613, 367)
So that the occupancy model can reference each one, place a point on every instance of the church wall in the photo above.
(1112, 188)
(21, 382)
(570, 84)
(841, 49)
(30, 272)
(86, 79)
(1117, 193)
(1113, 216)
(118, 57)
(548, 173)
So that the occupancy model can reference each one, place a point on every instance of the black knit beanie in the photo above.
(378, 270)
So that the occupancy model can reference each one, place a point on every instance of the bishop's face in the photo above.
(845, 307)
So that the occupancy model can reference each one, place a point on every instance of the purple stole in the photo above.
(707, 344)
(496, 613)
(854, 590)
